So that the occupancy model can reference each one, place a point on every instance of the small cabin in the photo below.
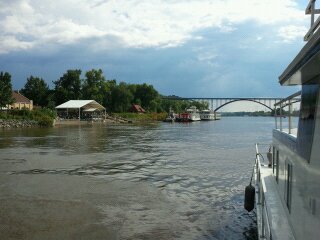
(136, 109)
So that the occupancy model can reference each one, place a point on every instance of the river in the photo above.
(135, 181)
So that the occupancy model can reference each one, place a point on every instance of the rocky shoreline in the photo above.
(19, 123)
(15, 123)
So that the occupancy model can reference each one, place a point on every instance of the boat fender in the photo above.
(249, 197)
(269, 156)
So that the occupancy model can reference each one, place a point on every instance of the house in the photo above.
(136, 108)
(20, 101)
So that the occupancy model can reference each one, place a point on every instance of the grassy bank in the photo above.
(142, 117)
(44, 117)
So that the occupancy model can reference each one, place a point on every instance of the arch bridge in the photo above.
(217, 103)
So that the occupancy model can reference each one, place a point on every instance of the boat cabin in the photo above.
(288, 191)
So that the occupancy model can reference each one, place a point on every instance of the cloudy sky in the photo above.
(189, 48)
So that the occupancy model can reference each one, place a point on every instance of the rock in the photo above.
(13, 123)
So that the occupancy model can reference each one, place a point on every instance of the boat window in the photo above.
(277, 166)
(307, 119)
(273, 158)
(288, 185)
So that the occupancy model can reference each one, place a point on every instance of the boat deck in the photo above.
(293, 132)
(270, 211)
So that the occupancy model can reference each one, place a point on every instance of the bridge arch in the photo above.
(237, 100)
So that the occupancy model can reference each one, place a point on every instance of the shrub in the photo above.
(3, 115)
(44, 116)
(44, 121)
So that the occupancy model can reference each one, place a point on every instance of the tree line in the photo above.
(116, 97)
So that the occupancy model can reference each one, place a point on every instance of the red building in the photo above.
(136, 108)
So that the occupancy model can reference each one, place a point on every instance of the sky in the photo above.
(188, 48)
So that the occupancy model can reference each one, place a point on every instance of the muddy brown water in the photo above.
(134, 181)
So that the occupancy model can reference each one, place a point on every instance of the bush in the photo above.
(43, 116)
(17, 114)
(3, 115)
(44, 121)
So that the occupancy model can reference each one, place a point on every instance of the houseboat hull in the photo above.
(287, 186)
(208, 115)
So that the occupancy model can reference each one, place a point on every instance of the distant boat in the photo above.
(207, 115)
(193, 114)
(217, 116)
(190, 115)
(171, 116)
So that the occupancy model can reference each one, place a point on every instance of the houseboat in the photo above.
(207, 115)
(193, 113)
(287, 171)
(217, 116)
(190, 115)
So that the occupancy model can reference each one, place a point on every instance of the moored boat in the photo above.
(190, 115)
(207, 115)
(193, 114)
(217, 116)
(287, 192)
(171, 116)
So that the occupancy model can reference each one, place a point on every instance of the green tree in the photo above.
(37, 90)
(51, 100)
(200, 105)
(136, 97)
(68, 87)
(146, 93)
(121, 98)
(94, 86)
(155, 105)
(179, 106)
(5, 89)
(109, 86)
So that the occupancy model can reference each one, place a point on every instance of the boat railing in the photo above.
(280, 113)
(272, 218)
(261, 206)
(315, 24)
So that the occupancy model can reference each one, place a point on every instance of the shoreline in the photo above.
(23, 123)
(18, 123)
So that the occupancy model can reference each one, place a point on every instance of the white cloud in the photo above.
(207, 56)
(11, 43)
(137, 23)
(292, 32)
(66, 31)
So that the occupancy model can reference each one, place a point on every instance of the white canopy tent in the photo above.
(85, 105)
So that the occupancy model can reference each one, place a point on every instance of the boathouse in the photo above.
(81, 110)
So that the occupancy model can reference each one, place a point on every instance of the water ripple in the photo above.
(201, 167)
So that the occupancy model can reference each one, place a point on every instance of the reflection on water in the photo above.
(198, 171)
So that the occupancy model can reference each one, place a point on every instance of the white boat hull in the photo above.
(208, 115)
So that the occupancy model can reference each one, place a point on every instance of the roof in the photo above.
(90, 110)
(19, 98)
(137, 108)
(305, 66)
(86, 104)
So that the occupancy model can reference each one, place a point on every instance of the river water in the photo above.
(135, 181)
